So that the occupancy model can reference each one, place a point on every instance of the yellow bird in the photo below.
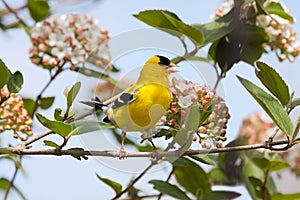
(140, 106)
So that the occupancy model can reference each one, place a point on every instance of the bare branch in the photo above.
(115, 154)
(14, 12)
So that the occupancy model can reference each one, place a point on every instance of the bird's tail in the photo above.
(96, 103)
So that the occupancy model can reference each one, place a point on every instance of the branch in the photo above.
(11, 183)
(135, 180)
(159, 155)
(14, 12)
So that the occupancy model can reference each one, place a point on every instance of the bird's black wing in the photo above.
(124, 99)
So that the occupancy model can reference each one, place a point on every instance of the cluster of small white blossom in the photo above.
(283, 38)
(70, 38)
(186, 94)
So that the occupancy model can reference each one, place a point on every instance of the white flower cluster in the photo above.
(13, 115)
(283, 39)
(69, 38)
(186, 94)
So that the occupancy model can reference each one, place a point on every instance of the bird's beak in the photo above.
(171, 69)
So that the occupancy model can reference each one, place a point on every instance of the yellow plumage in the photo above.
(150, 97)
(140, 106)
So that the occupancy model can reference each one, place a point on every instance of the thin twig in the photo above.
(167, 180)
(187, 55)
(135, 180)
(14, 12)
(264, 185)
(11, 183)
(52, 77)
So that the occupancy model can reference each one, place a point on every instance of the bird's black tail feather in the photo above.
(96, 103)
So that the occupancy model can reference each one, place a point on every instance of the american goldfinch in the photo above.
(140, 106)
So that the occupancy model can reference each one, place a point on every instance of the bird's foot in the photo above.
(122, 153)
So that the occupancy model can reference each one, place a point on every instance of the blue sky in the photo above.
(50, 177)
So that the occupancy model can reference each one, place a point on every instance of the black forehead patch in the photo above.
(163, 60)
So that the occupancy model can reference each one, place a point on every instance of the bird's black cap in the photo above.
(163, 60)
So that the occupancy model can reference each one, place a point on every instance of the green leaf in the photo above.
(56, 126)
(192, 119)
(117, 187)
(203, 159)
(169, 189)
(273, 81)
(217, 177)
(271, 106)
(58, 114)
(277, 9)
(39, 9)
(295, 103)
(183, 138)
(78, 157)
(258, 186)
(215, 30)
(176, 162)
(4, 183)
(46, 102)
(72, 93)
(279, 196)
(193, 178)
(4, 74)
(51, 143)
(169, 22)
(221, 195)
(86, 126)
(29, 105)
(270, 165)
(15, 82)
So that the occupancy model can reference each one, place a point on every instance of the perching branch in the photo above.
(115, 154)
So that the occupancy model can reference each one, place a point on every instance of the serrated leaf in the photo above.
(51, 143)
(279, 196)
(4, 74)
(170, 22)
(29, 105)
(273, 82)
(39, 9)
(193, 178)
(56, 126)
(72, 93)
(169, 189)
(15, 82)
(270, 105)
(117, 187)
(46, 102)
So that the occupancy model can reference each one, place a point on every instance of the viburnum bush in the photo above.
(194, 130)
